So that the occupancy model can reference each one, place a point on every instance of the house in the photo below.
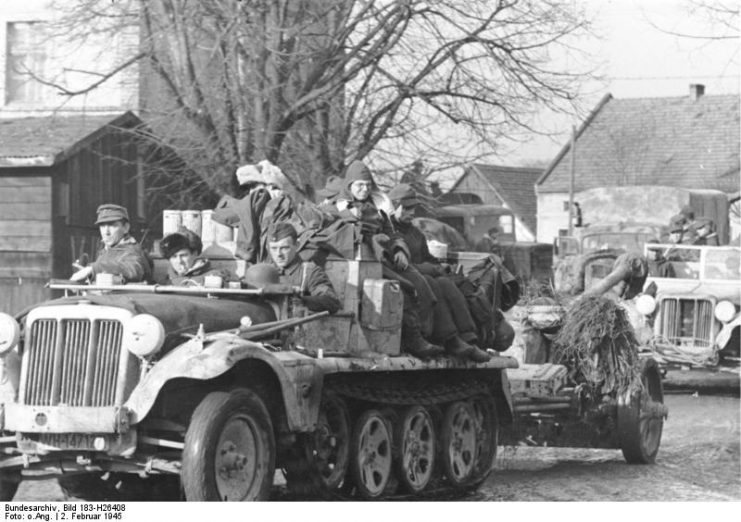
(54, 172)
(510, 187)
(33, 47)
(689, 142)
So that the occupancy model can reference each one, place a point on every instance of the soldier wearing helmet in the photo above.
(119, 253)
(316, 290)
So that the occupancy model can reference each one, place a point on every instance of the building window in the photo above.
(26, 59)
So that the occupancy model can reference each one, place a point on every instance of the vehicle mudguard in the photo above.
(300, 380)
(725, 333)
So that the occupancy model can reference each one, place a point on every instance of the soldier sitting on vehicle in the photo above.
(185, 268)
(489, 242)
(705, 233)
(452, 324)
(331, 191)
(119, 254)
(658, 265)
(316, 292)
(365, 206)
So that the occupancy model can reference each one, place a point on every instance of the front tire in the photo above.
(229, 452)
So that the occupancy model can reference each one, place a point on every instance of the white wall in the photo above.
(66, 58)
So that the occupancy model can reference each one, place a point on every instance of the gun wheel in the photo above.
(640, 418)
(459, 443)
(416, 448)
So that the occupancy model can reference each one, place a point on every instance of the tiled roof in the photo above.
(676, 142)
(516, 186)
(47, 139)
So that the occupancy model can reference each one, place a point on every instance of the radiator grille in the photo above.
(73, 362)
(687, 322)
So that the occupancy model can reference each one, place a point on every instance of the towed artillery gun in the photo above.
(147, 390)
(592, 381)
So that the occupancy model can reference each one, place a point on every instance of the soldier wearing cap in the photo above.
(452, 324)
(182, 249)
(704, 231)
(316, 290)
(331, 191)
(119, 254)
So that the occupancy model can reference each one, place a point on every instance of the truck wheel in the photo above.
(415, 459)
(328, 448)
(487, 436)
(459, 443)
(229, 452)
(640, 418)
(371, 454)
(9, 482)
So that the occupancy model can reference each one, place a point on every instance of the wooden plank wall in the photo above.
(25, 240)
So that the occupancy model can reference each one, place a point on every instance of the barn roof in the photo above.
(514, 185)
(46, 140)
(680, 141)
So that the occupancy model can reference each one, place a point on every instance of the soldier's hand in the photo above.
(83, 274)
(401, 261)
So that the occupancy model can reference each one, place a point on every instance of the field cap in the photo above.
(331, 188)
(180, 240)
(281, 231)
(404, 195)
(110, 212)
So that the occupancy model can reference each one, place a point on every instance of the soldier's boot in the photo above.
(457, 347)
(422, 349)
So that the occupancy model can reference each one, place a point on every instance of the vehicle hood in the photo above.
(182, 313)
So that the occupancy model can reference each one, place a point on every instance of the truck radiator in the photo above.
(73, 362)
(687, 322)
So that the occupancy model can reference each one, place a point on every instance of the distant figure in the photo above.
(704, 232)
(327, 196)
(658, 265)
(490, 241)
(119, 254)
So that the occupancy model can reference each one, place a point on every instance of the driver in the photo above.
(119, 253)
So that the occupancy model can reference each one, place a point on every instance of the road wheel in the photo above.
(640, 417)
(415, 459)
(229, 452)
(487, 435)
(458, 441)
(9, 482)
(328, 448)
(371, 454)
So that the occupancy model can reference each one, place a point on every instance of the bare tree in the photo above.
(314, 84)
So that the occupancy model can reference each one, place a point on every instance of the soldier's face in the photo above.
(404, 214)
(181, 261)
(112, 232)
(360, 190)
(282, 252)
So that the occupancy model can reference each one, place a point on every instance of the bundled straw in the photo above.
(598, 343)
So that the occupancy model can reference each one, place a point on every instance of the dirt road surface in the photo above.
(698, 461)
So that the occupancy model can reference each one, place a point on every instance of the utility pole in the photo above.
(571, 180)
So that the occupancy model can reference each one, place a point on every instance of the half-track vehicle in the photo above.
(217, 388)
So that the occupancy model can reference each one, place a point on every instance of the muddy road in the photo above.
(698, 460)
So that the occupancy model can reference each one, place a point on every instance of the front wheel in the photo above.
(9, 482)
(229, 452)
(640, 417)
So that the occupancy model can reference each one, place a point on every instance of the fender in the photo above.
(725, 333)
(300, 379)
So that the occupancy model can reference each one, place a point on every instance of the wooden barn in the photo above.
(54, 172)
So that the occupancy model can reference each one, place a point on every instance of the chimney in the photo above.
(696, 91)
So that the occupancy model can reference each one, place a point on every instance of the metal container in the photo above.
(172, 220)
(192, 221)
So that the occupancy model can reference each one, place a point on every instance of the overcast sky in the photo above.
(638, 58)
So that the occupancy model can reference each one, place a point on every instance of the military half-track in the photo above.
(207, 392)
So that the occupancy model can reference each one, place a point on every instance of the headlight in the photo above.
(10, 333)
(144, 335)
(645, 304)
(725, 311)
